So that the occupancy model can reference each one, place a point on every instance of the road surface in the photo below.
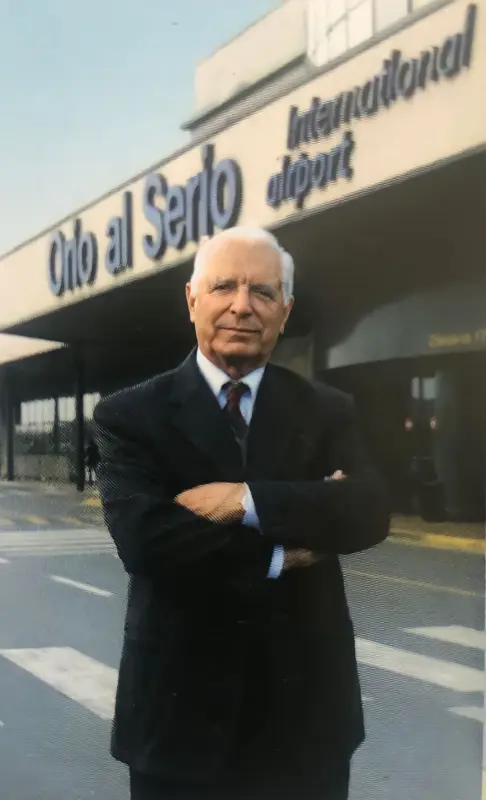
(419, 620)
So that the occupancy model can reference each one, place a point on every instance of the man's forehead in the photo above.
(233, 257)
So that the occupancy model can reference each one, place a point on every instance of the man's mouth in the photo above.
(238, 330)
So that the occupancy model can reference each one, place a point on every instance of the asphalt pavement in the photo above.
(419, 622)
(37, 506)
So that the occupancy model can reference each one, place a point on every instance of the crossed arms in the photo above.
(154, 530)
(224, 502)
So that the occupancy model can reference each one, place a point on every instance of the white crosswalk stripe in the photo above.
(83, 679)
(76, 541)
(430, 670)
(427, 669)
(470, 712)
(92, 684)
(453, 634)
(84, 587)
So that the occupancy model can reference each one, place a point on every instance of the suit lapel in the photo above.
(273, 430)
(280, 431)
(198, 417)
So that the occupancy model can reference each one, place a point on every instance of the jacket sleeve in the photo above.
(333, 517)
(151, 532)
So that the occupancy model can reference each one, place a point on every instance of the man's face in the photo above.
(238, 309)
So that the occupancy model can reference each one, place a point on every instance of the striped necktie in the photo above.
(234, 392)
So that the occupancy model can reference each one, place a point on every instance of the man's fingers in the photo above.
(205, 493)
(300, 558)
(218, 502)
(338, 475)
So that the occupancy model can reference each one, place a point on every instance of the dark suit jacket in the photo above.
(213, 650)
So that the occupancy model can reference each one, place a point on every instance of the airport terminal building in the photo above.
(356, 132)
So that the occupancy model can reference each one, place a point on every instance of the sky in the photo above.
(94, 91)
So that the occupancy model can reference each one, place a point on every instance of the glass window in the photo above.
(48, 413)
(62, 409)
(66, 409)
(36, 413)
(424, 388)
(336, 10)
(71, 409)
(317, 30)
(430, 388)
(360, 23)
(90, 401)
(335, 26)
(337, 39)
(24, 414)
(387, 12)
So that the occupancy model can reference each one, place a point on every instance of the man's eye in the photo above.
(264, 291)
(222, 287)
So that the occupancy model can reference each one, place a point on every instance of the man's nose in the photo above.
(241, 304)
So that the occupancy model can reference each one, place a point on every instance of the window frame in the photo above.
(315, 41)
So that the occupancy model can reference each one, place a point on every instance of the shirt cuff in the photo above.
(250, 517)
(277, 562)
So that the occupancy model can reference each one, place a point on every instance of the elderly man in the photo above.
(230, 487)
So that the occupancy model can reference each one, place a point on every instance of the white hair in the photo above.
(251, 234)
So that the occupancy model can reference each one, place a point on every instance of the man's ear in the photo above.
(287, 310)
(191, 301)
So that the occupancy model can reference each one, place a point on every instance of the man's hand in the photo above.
(223, 503)
(218, 502)
(336, 476)
(295, 559)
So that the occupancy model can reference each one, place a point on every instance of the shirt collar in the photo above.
(216, 378)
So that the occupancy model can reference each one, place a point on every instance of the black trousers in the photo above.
(333, 784)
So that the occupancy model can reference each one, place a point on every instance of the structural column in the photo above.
(456, 447)
(446, 441)
(8, 423)
(10, 438)
(79, 421)
(56, 428)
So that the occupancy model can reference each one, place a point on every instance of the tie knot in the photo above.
(234, 392)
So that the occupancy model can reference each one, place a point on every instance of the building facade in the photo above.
(356, 131)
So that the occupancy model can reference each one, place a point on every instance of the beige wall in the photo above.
(446, 119)
(12, 348)
(322, 29)
(252, 55)
(418, 4)
(295, 74)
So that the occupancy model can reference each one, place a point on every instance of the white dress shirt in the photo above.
(216, 378)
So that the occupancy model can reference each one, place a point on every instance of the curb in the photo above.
(92, 502)
(438, 541)
(433, 541)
